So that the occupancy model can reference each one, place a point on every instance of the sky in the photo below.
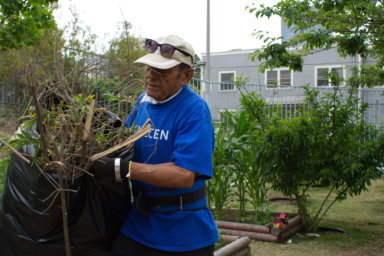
(231, 25)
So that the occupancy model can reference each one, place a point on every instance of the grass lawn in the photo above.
(361, 217)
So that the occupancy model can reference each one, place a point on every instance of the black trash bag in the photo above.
(31, 225)
(28, 227)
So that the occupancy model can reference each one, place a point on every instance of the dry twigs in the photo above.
(17, 153)
(143, 131)
(69, 129)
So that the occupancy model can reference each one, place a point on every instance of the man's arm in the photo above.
(163, 175)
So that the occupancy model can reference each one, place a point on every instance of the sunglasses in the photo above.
(166, 50)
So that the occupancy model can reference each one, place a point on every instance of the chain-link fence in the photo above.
(288, 98)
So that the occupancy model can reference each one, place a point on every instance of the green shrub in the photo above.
(328, 144)
(238, 177)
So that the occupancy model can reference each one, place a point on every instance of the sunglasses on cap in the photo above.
(166, 50)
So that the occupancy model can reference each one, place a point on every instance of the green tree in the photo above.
(44, 58)
(123, 51)
(23, 22)
(354, 27)
(327, 143)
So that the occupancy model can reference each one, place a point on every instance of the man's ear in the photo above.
(188, 74)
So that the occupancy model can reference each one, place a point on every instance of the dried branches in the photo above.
(69, 128)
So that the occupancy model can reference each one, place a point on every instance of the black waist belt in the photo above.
(144, 202)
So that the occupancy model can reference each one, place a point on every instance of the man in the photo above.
(171, 164)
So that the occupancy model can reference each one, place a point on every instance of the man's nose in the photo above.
(152, 74)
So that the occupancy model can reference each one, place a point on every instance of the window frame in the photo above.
(330, 67)
(234, 79)
(278, 78)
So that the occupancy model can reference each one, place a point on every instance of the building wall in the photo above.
(288, 97)
(239, 61)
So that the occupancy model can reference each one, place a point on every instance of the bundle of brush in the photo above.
(69, 132)
(65, 132)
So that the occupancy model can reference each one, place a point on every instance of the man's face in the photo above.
(161, 84)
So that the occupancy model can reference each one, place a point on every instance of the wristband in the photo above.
(129, 170)
(117, 170)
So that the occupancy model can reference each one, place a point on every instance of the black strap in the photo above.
(177, 200)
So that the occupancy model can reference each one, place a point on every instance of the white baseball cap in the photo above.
(179, 51)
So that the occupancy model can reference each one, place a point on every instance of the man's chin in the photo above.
(153, 95)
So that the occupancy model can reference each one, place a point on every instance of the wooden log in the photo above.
(260, 232)
(243, 252)
(234, 247)
(252, 235)
(251, 211)
(228, 238)
(288, 229)
(242, 226)
(291, 223)
(289, 232)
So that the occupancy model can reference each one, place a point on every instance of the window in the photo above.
(322, 75)
(285, 77)
(272, 78)
(322, 79)
(289, 110)
(278, 77)
(226, 81)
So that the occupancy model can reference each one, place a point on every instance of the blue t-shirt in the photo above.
(182, 133)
